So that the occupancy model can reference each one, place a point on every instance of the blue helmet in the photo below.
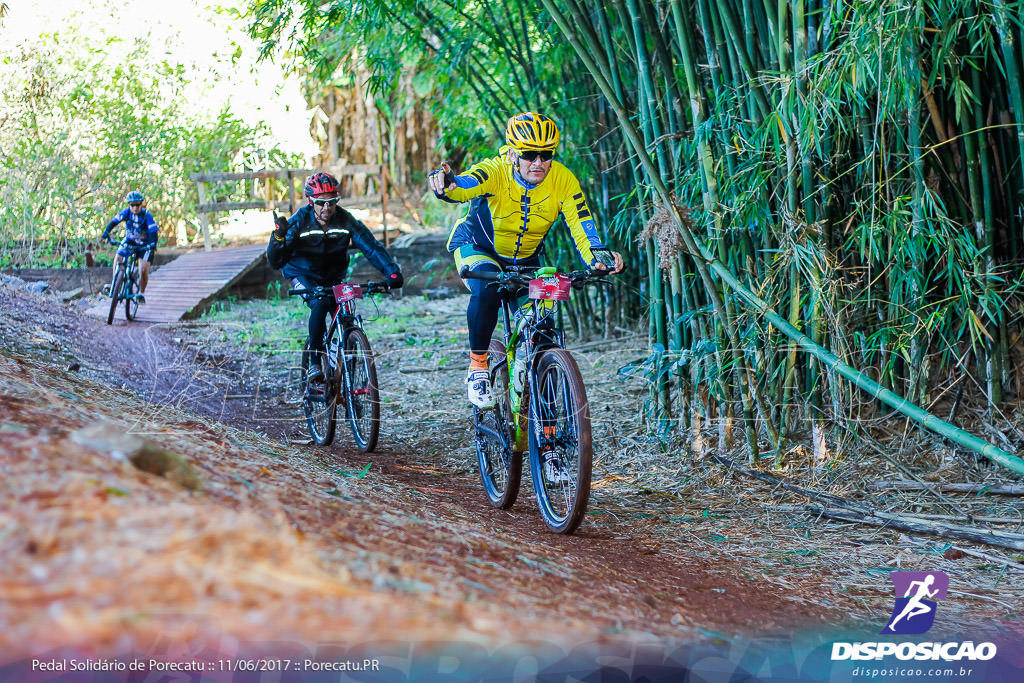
(134, 197)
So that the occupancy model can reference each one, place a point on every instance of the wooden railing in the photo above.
(295, 199)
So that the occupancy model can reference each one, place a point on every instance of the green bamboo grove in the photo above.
(807, 190)
(856, 165)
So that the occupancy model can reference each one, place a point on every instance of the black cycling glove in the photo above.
(605, 257)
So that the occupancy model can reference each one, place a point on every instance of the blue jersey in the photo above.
(139, 228)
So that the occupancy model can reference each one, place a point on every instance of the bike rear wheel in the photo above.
(362, 397)
(501, 465)
(561, 448)
(131, 304)
(115, 295)
(319, 401)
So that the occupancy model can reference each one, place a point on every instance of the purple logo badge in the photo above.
(916, 596)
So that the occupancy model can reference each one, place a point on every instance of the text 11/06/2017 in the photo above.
(238, 664)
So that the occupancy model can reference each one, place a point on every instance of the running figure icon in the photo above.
(914, 606)
(914, 612)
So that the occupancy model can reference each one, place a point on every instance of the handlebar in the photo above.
(578, 278)
(137, 248)
(320, 292)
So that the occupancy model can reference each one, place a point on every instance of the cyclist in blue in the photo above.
(140, 229)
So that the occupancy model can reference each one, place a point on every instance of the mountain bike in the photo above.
(349, 370)
(125, 284)
(540, 401)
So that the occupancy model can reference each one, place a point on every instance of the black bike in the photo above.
(125, 285)
(540, 401)
(349, 370)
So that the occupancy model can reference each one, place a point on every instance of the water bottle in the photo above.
(333, 346)
(519, 370)
(518, 378)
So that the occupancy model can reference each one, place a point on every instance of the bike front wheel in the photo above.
(115, 295)
(362, 397)
(131, 304)
(561, 447)
(501, 465)
(319, 401)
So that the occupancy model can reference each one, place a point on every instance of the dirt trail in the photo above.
(285, 545)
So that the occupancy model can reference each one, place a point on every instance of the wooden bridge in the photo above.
(186, 286)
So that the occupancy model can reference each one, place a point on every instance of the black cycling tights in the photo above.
(319, 309)
(482, 314)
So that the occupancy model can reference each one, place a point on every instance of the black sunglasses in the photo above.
(546, 155)
(135, 205)
(326, 202)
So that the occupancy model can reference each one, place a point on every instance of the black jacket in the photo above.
(322, 253)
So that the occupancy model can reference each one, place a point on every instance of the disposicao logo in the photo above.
(914, 612)
(917, 596)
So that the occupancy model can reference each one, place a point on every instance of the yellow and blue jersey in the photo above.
(510, 217)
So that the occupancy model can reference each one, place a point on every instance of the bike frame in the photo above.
(343, 382)
(535, 340)
(345, 316)
(527, 328)
(125, 281)
(127, 268)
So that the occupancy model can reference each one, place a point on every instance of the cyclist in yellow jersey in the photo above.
(514, 198)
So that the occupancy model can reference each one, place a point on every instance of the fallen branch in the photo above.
(953, 488)
(970, 518)
(851, 511)
(994, 559)
(927, 486)
(782, 483)
(991, 558)
(999, 539)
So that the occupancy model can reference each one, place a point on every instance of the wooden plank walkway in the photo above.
(184, 287)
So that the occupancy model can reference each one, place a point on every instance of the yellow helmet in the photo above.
(530, 131)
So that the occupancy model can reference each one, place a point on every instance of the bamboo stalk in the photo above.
(705, 263)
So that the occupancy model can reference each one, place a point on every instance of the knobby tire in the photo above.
(563, 423)
(319, 402)
(131, 304)
(362, 395)
(115, 295)
(501, 465)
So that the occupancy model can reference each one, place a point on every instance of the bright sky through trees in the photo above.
(220, 59)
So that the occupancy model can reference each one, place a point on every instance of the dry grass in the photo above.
(683, 503)
(291, 542)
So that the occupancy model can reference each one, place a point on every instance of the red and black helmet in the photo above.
(320, 183)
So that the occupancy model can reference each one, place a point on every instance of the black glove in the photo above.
(395, 280)
(280, 226)
(604, 257)
(448, 176)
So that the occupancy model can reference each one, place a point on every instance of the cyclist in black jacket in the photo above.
(312, 247)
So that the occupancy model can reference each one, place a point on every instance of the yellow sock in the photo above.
(477, 361)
